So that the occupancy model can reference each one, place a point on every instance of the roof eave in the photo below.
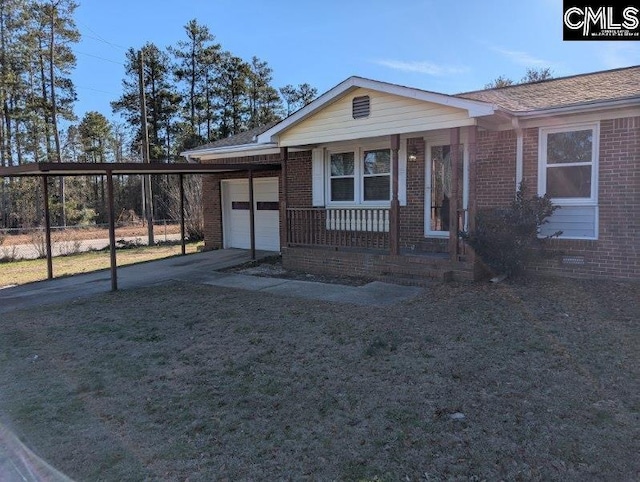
(579, 108)
(241, 148)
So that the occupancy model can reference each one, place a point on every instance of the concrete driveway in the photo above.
(198, 268)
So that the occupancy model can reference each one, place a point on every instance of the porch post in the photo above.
(454, 133)
(112, 233)
(47, 226)
(252, 217)
(284, 196)
(182, 243)
(472, 205)
(394, 212)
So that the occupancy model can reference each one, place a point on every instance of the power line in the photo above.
(96, 36)
(94, 90)
(98, 57)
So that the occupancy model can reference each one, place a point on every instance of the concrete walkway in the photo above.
(198, 268)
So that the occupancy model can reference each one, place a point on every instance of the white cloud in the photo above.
(522, 58)
(421, 67)
(619, 54)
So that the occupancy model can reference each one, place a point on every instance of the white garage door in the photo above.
(235, 221)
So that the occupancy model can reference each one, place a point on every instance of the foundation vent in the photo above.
(573, 260)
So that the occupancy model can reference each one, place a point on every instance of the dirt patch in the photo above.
(271, 267)
(529, 381)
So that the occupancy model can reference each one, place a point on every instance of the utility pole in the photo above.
(146, 179)
(54, 113)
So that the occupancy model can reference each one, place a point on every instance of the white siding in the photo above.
(390, 114)
(575, 222)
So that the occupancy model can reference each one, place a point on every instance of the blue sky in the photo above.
(437, 45)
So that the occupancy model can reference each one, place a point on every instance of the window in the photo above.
(376, 175)
(360, 176)
(568, 173)
(567, 163)
(342, 177)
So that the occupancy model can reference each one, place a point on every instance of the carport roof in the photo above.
(121, 168)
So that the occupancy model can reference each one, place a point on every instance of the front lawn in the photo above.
(30, 270)
(515, 381)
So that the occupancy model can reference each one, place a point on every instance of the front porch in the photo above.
(357, 241)
(415, 237)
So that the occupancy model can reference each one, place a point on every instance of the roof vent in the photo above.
(361, 107)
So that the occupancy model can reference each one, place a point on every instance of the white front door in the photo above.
(236, 214)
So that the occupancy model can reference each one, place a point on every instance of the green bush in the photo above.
(506, 239)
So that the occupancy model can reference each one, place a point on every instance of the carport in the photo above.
(44, 170)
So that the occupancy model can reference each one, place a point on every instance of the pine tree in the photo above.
(297, 97)
(162, 99)
(265, 105)
(231, 94)
(196, 60)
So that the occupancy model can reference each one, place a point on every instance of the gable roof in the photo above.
(583, 91)
(474, 107)
(580, 89)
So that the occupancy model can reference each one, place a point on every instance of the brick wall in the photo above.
(615, 253)
(408, 268)
(211, 193)
(412, 215)
(299, 186)
(495, 168)
(299, 180)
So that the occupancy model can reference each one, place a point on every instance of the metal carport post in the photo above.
(62, 169)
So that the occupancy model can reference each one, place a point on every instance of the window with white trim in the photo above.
(359, 176)
(569, 161)
(342, 176)
(568, 173)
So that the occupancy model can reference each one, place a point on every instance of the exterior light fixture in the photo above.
(412, 153)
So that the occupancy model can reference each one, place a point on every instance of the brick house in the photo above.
(371, 178)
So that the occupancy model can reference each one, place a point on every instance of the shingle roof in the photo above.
(564, 91)
(588, 88)
(241, 139)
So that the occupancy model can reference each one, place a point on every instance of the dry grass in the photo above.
(28, 271)
(92, 232)
(200, 383)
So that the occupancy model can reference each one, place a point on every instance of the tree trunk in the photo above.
(45, 102)
(54, 116)
(52, 78)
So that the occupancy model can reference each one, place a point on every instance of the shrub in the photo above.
(506, 239)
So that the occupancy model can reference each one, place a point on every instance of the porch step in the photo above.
(420, 270)
(427, 276)
(405, 280)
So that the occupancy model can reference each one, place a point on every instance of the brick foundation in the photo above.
(409, 268)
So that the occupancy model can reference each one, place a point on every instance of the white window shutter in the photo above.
(402, 174)
(317, 177)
